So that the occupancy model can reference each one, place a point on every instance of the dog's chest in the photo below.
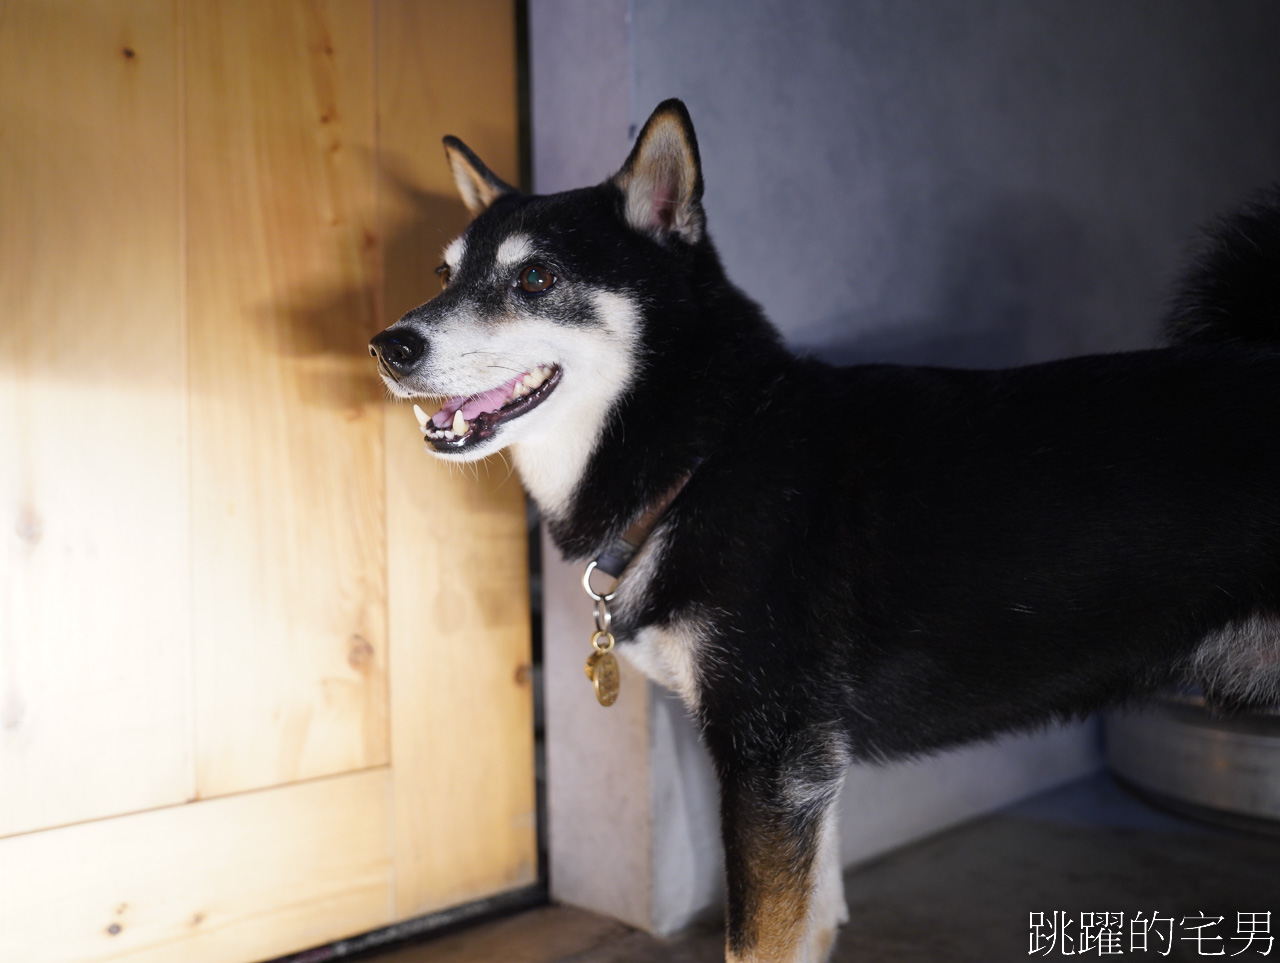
(668, 654)
(666, 651)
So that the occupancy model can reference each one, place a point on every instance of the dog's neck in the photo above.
(551, 473)
(703, 366)
(584, 517)
(554, 455)
(637, 462)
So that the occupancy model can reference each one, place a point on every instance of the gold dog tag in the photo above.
(602, 669)
(590, 667)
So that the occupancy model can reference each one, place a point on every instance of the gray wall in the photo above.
(962, 182)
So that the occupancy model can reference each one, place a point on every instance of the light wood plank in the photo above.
(461, 723)
(93, 446)
(442, 69)
(221, 881)
(289, 601)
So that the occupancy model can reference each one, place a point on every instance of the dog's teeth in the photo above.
(530, 380)
(421, 416)
(519, 391)
(459, 423)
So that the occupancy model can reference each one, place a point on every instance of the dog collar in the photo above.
(614, 559)
(602, 667)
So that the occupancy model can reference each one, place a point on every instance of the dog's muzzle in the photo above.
(398, 350)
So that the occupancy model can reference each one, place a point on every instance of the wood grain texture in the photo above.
(289, 599)
(220, 881)
(462, 734)
(461, 723)
(93, 446)
(207, 529)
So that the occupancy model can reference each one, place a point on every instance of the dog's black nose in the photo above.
(400, 349)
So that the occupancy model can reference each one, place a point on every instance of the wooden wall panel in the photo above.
(222, 881)
(93, 458)
(214, 560)
(462, 713)
(289, 599)
(462, 733)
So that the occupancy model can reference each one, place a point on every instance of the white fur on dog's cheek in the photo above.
(554, 444)
(454, 252)
(461, 359)
(513, 252)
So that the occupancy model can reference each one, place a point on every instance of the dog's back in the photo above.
(1231, 291)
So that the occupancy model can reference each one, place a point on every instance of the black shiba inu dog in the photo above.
(864, 562)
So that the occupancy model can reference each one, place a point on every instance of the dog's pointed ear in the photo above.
(662, 178)
(478, 185)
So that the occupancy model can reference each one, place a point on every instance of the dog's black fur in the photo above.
(887, 560)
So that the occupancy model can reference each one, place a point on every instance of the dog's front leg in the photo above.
(782, 860)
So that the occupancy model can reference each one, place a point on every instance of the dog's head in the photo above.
(543, 325)
(539, 328)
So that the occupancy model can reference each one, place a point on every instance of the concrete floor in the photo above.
(966, 895)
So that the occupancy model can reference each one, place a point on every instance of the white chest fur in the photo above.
(667, 653)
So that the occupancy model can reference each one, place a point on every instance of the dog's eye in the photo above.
(535, 279)
(444, 274)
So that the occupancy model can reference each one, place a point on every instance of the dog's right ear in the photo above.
(662, 178)
(478, 185)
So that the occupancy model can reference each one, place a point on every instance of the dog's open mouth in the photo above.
(466, 421)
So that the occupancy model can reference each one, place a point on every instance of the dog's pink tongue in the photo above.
(444, 417)
(490, 400)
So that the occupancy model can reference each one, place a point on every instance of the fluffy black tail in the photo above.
(1231, 292)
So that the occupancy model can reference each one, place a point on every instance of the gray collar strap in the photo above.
(614, 559)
